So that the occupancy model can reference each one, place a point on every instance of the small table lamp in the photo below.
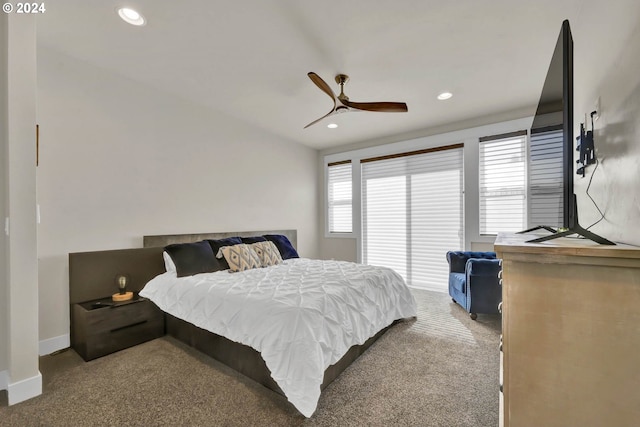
(122, 280)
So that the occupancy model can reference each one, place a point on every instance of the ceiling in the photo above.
(249, 59)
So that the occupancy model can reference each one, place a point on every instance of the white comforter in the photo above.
(302, 315)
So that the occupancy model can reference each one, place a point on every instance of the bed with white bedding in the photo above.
(302, 316)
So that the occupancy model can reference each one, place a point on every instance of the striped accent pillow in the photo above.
(240, 257)
(267, 252)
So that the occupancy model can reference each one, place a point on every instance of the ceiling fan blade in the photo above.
(323, 86)
(323, 117)
(385, 107)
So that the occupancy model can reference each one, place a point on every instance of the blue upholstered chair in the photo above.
(474, 281)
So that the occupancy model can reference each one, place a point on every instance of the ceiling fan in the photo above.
(341, 103)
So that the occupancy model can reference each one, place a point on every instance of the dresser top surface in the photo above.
(517, 243)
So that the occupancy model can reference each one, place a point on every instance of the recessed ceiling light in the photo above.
(445, 95)
(332, 125)
(131, 16)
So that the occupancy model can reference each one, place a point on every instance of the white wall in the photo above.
(4, 167)
(20, 275)
(119, 160)
(616, 183)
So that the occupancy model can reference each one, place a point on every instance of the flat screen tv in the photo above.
(555, 114)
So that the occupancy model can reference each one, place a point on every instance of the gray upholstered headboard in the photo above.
(164, 240)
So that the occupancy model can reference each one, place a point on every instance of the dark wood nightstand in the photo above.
(101, 326)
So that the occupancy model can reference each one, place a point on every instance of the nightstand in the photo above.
(100, 327)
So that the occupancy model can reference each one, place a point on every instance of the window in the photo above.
(546, 200)
(412, 213)
(502, 183)
(339, 197)
(519, 191)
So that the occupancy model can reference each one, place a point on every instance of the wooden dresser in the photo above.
(571, 333)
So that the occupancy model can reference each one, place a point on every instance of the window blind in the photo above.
(546, 200)
(502, 183)
(339, 197)
(412, 213)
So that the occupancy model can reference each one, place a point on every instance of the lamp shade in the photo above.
(122, 281)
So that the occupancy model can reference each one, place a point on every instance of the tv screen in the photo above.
(553, 127)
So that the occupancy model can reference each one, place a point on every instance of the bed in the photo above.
(254, 356)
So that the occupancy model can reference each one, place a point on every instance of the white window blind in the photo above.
(412, 213)
(502, 183)
(339, 197)
(546, 179)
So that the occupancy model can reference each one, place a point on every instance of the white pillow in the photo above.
(168, 263)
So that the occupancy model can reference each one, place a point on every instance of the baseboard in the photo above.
(51, 345)
(25, 389)
(4, 380)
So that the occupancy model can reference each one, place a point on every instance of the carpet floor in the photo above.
(440, 369)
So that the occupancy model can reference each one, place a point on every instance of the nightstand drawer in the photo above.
(108, 319)
(109, 341)
(101, 331)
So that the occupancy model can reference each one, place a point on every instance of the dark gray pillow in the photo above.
(193, 258)
(217, 244)
(283, 244)
(253, 239)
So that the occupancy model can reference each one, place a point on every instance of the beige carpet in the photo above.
(438, 370)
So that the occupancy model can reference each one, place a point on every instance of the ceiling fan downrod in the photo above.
(341, 79)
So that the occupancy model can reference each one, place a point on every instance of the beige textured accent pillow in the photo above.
(240, 257)
(267, 252)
